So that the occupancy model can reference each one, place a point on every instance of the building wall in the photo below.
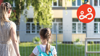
(90, 26)
(81, 37)
(74, 13)
(57, 13)
(28, 37)
(30, 13)
(67, 16)
(59, 37)
(23, 35)
(67, 25)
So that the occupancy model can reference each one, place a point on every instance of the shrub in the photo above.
(77, 40)
(36, 39)
(92, 42)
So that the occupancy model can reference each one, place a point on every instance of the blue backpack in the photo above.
(44, 53)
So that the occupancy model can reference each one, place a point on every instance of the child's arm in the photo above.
(54, 52)
(55, 55)
(32, 54)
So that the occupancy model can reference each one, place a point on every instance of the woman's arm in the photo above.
(32, 54)
(14, 39)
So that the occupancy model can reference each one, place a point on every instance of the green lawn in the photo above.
(62, 50)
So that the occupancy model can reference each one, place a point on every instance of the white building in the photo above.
(68, 26)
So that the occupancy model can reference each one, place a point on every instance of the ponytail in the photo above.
(4, 7)
(46, 34)
(47, 47)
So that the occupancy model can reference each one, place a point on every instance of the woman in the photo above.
(8, 39)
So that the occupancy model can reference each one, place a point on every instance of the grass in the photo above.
(62, 49)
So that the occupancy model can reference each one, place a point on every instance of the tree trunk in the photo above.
(18, 24)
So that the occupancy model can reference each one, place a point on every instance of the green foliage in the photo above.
(43, 12)
(92, 42)
(19, 8)
(36, 39)
(82, 1)
(13, 16)
(28, 3)
(77, 40)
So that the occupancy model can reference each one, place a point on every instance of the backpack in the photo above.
(44, 53)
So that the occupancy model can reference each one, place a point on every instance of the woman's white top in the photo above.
(43, 49)
(6, 43)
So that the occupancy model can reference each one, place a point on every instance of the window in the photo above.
(13, 3)
(97, 25)
(96, 2)
(77, 2)
(78, 27)
(57, 23)
(27, 27)
(99, 2)
(73, 2)
(57, 3)
(31, 27)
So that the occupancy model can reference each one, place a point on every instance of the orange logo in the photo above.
(86, 13)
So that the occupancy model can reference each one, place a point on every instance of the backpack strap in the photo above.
(51, 48)
(39, 48)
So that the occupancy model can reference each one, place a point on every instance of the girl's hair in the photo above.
(45, 33)
(4, 8)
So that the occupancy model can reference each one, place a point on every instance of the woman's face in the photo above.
(9, 13)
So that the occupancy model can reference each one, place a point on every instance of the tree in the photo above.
(42, 10)
(17, 10)
(13, 16)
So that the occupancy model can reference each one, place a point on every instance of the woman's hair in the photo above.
(4, 8)
(45, 33)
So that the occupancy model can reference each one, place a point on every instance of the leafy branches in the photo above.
(43, 12)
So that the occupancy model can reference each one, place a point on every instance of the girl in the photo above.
(45, 35)
(8, 39)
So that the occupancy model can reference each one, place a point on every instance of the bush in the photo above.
(36, 39)
(92, 42)
(77, 40)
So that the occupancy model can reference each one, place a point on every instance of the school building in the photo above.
(69, 28)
